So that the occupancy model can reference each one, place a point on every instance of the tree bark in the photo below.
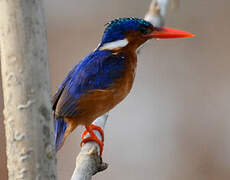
(27, 109)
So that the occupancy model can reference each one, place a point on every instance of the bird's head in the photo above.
(133, 32)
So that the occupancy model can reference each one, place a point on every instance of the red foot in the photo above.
(93, 136)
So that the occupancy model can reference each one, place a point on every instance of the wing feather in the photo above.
(98, 71)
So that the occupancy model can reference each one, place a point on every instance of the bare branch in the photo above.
(157, 11)
(88, 161)
(155, 14)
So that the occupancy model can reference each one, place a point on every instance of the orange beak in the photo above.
(167, 33)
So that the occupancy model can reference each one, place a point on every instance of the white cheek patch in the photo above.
(115, 45)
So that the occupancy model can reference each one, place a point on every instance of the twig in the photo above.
(156, 15)
(157, 11)
(88, 161)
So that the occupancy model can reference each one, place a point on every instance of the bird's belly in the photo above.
(97, 102)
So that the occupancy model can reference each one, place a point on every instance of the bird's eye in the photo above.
(145, 30)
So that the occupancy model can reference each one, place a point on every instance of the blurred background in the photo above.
(175, 124)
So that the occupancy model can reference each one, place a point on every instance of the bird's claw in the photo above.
(93, 137)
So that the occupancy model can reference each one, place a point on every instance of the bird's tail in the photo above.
(60, 127)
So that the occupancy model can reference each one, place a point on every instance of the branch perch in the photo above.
(88, 161)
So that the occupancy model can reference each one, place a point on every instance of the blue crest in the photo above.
(117, 28)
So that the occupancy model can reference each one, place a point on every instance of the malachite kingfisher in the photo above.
(103, 78)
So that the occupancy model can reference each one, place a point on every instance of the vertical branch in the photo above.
(156, 12)
(25, 78)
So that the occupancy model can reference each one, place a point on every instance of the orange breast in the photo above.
(97, 102)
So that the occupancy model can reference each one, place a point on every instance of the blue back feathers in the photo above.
(98, 70)
(59, 127)
(117, 28)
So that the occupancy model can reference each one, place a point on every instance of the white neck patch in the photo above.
(115, 45)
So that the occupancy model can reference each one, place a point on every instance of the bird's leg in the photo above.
(93, 136)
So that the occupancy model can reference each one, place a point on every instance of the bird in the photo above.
(103, 78)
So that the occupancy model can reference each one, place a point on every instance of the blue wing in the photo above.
(98, 70)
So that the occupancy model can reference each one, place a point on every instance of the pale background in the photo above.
(175, 124)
